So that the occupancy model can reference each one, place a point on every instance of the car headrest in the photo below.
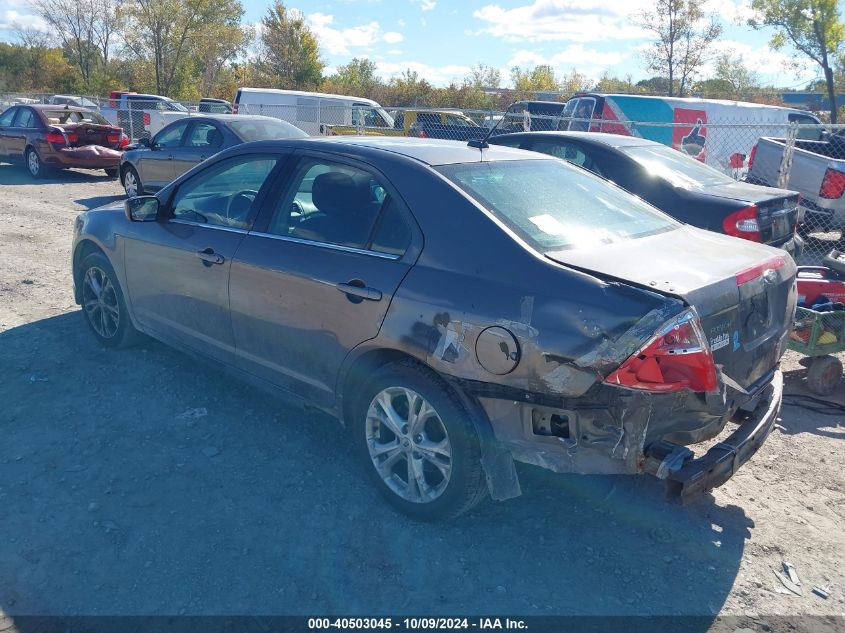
(338, 193)
(53, 121)
(214, 137)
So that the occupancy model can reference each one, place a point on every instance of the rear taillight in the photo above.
(56, 138)
(744, 224)
(146, 118)
(113, 139)
(676, 357)
(833, 184)
(757, 271)
(751, 157)
(124, 140)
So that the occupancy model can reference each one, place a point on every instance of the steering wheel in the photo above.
(236, 210)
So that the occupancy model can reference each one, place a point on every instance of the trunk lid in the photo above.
(746, 319)
(81, 134)
(777, 209)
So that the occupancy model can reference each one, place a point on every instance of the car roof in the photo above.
(428, 151)
(598, 138)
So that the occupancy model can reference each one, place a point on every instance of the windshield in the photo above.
(679, 169)
(173, 105)
(371, 116)
(62, 117)
(554, 206)
(259, 130)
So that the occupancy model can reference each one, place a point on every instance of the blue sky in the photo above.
(442, 39)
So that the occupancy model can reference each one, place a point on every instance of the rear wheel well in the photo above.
(364, 366)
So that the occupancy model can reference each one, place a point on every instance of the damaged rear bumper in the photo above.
(687, 478)
(87, 156)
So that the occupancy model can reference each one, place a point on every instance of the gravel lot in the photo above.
(118, 496)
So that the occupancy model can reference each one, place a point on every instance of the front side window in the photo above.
(7, 116)
(454, 119)
(342, 205)
(171, 136)
(553, 206)
(223, 195)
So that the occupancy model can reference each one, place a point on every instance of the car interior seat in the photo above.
(345, 211)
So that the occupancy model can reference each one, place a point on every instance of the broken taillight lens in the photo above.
(751, 157)
(57, 138)
(744, 224)
(676, 357)
(124, 140)
(757, 271)
(833, 184)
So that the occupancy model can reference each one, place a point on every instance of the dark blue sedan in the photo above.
(458, 309)
(187, 142)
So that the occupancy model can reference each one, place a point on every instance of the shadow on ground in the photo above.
(18, 175)
(100, 201)
(120, 497)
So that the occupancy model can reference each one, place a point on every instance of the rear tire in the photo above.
(418, 444)
(824, 375)
(132, 183)
(33, 163)
(103, 305)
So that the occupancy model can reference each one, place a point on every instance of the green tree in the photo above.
(483, 76)
(814, 29)
(409, 89)
(683, 36)
(732, 71)
(169, 35)
(626, 85)
(538, 79)
(358, 78)
(290, 55)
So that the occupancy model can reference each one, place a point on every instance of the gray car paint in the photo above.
(575, 315)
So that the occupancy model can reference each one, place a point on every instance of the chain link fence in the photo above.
(805, 158)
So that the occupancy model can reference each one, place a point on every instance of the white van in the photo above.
(718, 132)
(311, 111)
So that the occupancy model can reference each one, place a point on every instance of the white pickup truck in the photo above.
(140, 115)
(817, 173)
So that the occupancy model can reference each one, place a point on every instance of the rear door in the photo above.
(177, 268)
(6, 119)
(317, 275)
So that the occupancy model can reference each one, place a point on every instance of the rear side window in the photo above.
(204, 135)
(554, 206)
(26, 119)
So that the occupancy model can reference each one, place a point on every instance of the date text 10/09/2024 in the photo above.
(415, 624)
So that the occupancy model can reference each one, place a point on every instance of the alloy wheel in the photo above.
(33, 163)
(99, 300)
(408, 444)
(130, 184)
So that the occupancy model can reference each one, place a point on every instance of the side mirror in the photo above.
(141, 208)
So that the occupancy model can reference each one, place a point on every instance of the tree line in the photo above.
(187, 49)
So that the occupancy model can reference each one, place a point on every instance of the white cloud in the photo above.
(574, 55)
(340, 41)
(425, 5)
(571, 20)
(11, 19)
(437, 75)
(394, 51)
(773, 65)
(393, 37)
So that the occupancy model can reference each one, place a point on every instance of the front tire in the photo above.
(418, 444)
(132, 183)
(103, 305)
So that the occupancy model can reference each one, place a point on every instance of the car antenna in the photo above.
(483, 144)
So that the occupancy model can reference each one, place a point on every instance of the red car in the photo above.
(48, 136)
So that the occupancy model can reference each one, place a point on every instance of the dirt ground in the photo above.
(145, 482)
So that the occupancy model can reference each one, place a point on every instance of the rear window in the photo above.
(257, 130)
(554, 206)
(69, 116)
(678, 168)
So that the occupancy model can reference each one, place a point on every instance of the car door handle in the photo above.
(208, 256)
(361, 291)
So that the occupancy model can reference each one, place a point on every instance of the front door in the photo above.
(316, 277)
(178, 267)
(156, 166)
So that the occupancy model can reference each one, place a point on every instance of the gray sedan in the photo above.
(187, 142)
(457, 308)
